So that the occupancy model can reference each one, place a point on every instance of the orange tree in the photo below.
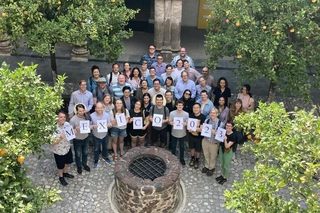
(287, 150)
(276, 39)
(27, 120)
(43, 24)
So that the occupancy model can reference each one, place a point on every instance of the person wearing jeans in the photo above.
(100, 138)
(178, 134)
(81, 142)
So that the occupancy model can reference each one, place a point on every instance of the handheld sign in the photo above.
(84, 127)
(121, 119)
(102, 126)
(68, 130)
(178, 123)
(192, 124)
(157, 120)
(137, 123)
(206, 130)
(220, 134)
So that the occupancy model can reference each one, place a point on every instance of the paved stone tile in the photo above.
(89, 192)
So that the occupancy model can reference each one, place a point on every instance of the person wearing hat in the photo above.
(159, 109)
(101, 90)
(81, 96)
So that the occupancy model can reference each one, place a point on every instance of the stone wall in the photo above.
(134, 194)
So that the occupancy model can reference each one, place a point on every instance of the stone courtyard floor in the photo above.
(88, 192)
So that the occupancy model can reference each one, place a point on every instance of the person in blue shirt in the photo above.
(206, 103)
(184, 84)
(150, 57)
(152, 77)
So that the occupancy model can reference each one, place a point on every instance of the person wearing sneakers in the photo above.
(195, 137)
(62, 149)
(226, 153)
(100, 138)
(177, 133)
(81, 142)
(210, 145)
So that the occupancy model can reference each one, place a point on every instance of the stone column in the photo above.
(5, 46)
(159, 14)
(167, 28)
(80, 53)
(176, 25)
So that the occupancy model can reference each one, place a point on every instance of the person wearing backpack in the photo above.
(178, 134)
(156, 132)
(210, 145)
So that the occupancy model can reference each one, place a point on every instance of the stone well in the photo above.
(137, 191)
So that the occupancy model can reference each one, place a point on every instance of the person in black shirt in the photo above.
(187, 101)
(222, 90)
(226, 152)
(195, 138)
(171, 105)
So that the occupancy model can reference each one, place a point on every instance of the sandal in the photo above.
(115, 158)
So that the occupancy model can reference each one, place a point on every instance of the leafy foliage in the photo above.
(275, 39)
(45, 23)
(27, 120)
(287, 150)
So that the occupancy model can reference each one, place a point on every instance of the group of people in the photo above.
(145, 104)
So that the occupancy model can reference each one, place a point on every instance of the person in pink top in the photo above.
(246, 97)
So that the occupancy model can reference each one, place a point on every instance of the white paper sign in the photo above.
(137, 123)
(68, 131)
(102, 126)
(220, 134)
(192, 124)
(121, 119)
(177, 123)
(206, 130)
(157, 120)
(84, 127)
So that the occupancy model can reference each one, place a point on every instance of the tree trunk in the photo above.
(272, 92)
(53, 64)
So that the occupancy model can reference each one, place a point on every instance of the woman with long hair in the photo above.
(188, 101)
(144, 87)
(146, 106)
(118, 133)
(168, 85)
(223, 110)
(222, 90)
(246, 98)
(126, 70)
(135, 79)
(138, 135)
(107, 103)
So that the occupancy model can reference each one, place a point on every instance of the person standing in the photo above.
(152, 77)
(193, 74)
(246, 97)
(100, 138)
(156, 132)
(142, 90)
(169, 73)
(222, 90)
(183, 85)
(210, 145)
(127, 99)
(117, 88)
(81, 142)
(144, 70)
(178, 134)
(93, 80)
(160, 66)
(112, 78)
(156, 89)
(206, 104)
(209, 78)
(135, 79)
(118, 133)
(99, 92)
(202, 86)
(82, 96)
(150, 57)
(171, 105)
(195, 138)
(62, 149)
(226, 153)
(183, 56)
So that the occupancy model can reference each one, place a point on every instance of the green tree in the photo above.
(276, 39)
(43, 24)
(26, 122)
(287, 150)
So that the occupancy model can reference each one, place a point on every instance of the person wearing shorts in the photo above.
(137, 135)
(156, 132)
(195, 138)
(118, 133)
(62, 149)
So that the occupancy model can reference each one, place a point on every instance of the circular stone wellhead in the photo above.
(147, 180)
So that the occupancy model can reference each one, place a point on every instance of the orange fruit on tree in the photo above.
(228, 12)
(20, 159)
(3, 152)
(264, 27)
(25, 12)
(278, 33)
(249, 136)
(238, 24)
(292, 30)
(256, 141)
(257, 137)
(313, 1)
(227, 21)
(304, 129)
